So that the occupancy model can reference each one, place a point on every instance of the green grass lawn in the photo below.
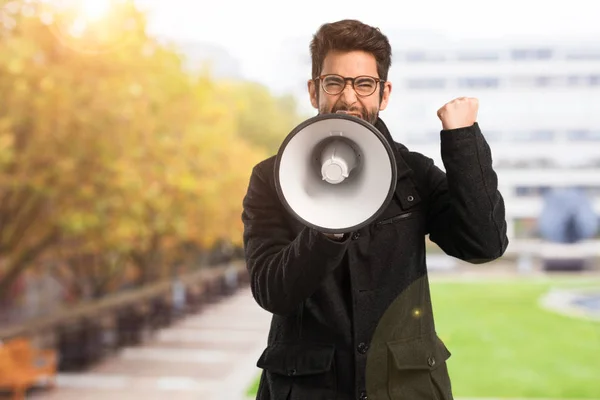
(504, 345)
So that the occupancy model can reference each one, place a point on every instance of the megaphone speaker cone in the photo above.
(335, 173)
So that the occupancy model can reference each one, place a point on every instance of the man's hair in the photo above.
(350, 35)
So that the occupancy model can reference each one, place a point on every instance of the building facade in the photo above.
(539, 107)
(539, 110)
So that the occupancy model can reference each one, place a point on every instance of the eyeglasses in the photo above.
(363, 85)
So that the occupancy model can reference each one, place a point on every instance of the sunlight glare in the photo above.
(94, 10)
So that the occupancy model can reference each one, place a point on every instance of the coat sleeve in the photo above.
(284, 269)
(466, 217)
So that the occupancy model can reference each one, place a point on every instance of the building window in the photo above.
(542, 81)
(528, 191)
(533, 163)
(422, 56)
(575, 80)
(546, 81)
(591, 54)
(583, 135)
(531, 54)
(582, 80)
(425, 83)
(476, 56)
(550, 81)
(521, 81)
(534, 136)
(483, 82)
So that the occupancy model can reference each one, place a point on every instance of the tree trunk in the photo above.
(24, 260)
(146, 261)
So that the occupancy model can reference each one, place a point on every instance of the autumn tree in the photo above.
(112, 155)
(262, 118)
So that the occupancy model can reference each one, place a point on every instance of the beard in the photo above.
(357, 110)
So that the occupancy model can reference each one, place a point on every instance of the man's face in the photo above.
(350, 65)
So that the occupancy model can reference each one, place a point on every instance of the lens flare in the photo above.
(91, 26)
(95, 10)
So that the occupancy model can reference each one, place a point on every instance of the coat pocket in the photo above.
(394, 219)
(417, 369)
(298, 371)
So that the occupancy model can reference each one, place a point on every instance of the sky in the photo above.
(238, 22)
(253, 31)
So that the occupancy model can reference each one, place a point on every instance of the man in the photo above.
(352, 315)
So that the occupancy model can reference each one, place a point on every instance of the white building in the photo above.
(539, 108)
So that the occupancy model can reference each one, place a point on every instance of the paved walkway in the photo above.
(208, 356)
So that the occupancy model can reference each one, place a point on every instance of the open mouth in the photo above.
(354, 114)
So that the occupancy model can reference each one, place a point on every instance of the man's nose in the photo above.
(348, 94)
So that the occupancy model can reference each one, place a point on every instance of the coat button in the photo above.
(431, 361)
(410, 198)
(355, 235)
(292, 372)
(363, 396)
(362, 347)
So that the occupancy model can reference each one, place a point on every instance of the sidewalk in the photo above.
(207, 356)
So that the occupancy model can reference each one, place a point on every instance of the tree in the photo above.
(112, 154)
(263, 120)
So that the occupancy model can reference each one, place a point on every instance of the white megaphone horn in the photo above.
(335, 173)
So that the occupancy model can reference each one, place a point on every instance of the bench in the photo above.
(22, 366)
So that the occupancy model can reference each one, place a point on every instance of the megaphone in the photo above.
(335, 173)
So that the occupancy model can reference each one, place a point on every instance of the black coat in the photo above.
(353, 318)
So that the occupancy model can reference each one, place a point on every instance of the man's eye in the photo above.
(365, 84)
(334, 83)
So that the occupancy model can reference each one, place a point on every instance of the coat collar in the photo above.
(403, 169)
(406, 189)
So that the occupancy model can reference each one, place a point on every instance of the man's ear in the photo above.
(312, 92)
(387, 90)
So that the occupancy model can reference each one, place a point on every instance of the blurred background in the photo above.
(128, 131)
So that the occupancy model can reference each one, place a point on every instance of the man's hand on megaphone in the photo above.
(459, 113)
